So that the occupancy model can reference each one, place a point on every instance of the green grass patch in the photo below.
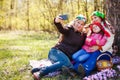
(17, 48)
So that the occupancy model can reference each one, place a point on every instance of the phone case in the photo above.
(64, 16)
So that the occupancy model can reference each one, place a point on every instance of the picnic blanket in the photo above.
(43, 63)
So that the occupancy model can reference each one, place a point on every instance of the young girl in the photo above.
(97, 38)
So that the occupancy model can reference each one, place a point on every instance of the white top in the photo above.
(110, 40)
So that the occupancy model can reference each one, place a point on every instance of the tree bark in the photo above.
(113, 16)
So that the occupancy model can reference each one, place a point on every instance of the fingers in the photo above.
(58, 19)
(97, 41)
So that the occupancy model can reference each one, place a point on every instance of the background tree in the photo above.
(28, 22)
(113, 16)
(39, 14)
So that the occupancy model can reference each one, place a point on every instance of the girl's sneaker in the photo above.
(69, 71)
(81, 70)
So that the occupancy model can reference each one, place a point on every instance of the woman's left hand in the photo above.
(94, 48)
(97, 41)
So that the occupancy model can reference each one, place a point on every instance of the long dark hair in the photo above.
(108, 26)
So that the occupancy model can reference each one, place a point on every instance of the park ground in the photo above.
(17, 48)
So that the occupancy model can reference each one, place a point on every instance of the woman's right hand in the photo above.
(88, 40)
(58, 19)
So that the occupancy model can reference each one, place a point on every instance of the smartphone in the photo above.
(64, 16)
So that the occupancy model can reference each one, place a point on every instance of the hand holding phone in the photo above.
(64, 17)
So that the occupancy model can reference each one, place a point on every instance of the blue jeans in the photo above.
(59, 60)
(90, 64)
(81, 55)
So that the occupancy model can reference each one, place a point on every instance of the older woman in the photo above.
(61, 54)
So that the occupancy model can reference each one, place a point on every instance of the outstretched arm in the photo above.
(59, 25)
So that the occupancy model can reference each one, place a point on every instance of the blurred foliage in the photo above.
(39, 14)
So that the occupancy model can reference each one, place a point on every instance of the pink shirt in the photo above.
(88, 44)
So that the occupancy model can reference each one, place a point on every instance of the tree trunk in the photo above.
(95, 5)
(1, 15)
(28, 22)
(113, 16)
(16, 12)
(11, 13)
(78, 6)
(86, 8)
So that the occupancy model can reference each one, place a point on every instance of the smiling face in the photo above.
(96, 29)
(78, 25)
(96, 19)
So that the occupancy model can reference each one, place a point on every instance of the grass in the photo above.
(17, 48)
